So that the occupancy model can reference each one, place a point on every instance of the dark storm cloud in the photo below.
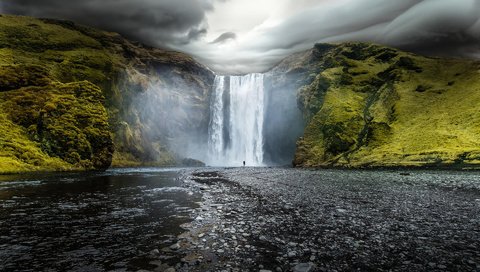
(437, 27)
(225, 37)
(433, 27)
(430, 27)
(158, 22)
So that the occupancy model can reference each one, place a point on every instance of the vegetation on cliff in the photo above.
(68, 97)
(75, 98)
(368, 105)
(66, 121)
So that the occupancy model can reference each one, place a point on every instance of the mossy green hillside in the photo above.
(369, 105)
(68, 121)
(18, 153)
(67, 95)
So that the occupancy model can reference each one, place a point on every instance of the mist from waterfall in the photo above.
(236, 122)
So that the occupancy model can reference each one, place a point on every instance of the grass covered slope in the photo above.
(67, 96)
(67, 121)
(368, 105)
(52, 117)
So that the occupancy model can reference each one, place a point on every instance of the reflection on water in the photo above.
(90, 222)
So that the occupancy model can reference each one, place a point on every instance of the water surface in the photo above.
(90, 222)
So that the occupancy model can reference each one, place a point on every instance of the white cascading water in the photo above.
(245, 122)
(216, 143)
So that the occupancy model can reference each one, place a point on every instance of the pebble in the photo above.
(292, 254)
(154, 252)
(175, 246)
(334, 224)
(304, 267)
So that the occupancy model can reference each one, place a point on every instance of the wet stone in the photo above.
(304, 267)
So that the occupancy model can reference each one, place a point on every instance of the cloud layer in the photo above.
(431, 27)
(239, 36)
(158, 22)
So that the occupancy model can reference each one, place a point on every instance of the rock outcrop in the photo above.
(76, 98)
(367, 105)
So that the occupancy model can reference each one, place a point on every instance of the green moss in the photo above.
(68, 88)
(398, 109)
(18, 153)
(68, 121)
(34, 35)
(17, 76)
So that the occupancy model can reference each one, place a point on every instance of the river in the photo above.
(90, 222)
(241, 219)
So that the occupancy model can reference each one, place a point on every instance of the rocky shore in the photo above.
(261, 219)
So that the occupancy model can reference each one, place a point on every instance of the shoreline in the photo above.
(240, 226)
(454, 168)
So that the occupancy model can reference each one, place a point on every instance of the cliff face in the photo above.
(284, 122)
(368, 105)
(75, 98)
(72, 97)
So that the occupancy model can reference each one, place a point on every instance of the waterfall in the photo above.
(236, 127)
(215, 130)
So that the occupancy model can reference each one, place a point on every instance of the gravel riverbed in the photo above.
(279, 219)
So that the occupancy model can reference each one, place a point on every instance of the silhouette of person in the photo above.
(243, 163)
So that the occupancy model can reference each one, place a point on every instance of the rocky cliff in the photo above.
(75, 98)
(367, 106)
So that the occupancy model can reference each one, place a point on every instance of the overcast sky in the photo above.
(239, 36)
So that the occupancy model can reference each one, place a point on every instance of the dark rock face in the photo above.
(288, 111)
(283, 119)
(283, 126)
